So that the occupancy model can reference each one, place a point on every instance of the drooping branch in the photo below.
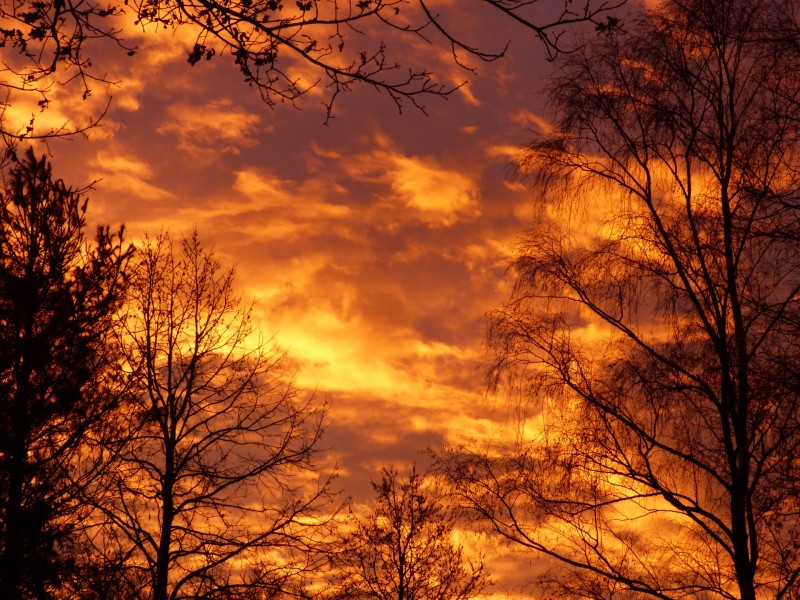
(654, 321)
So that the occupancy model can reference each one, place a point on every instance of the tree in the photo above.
(215, 493)
(403, 549)
(58, 299)
(345, 42)
(658, 334)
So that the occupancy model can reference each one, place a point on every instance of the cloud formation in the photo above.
(204, 131)
(373, 246)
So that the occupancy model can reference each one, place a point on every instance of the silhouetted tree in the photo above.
(215, 494)
(344, 42)
(656, 318)
(403, 548)
(58, 299)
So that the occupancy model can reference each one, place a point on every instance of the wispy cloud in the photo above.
(128, 176)
(204, 131)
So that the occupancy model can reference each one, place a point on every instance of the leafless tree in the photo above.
(402, 549)
(216, 492)
(653, 331)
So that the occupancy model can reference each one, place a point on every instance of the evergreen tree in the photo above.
(58, 299)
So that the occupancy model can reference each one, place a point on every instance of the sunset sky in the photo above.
(373, 245)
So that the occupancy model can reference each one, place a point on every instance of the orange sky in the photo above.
(373, 245)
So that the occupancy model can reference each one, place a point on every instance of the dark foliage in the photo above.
(58, 299)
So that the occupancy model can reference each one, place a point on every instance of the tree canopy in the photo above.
(58, 384)
(403, 549)
(215, 492)
(654, 325)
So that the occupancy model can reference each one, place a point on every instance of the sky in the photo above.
(373, 244)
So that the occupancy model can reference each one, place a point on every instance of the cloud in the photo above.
(532, 121)
(284, 209)
(440, 196)
(420, 189)
(128, 176)
(372, 246)
(206, 130)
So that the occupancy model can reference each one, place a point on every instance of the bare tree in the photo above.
(58, 299)
(216, 493)
(403, 549)
(654, 326)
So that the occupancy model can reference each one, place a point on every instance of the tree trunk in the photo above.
(13, 544)
(11, 566)
(161, 588)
